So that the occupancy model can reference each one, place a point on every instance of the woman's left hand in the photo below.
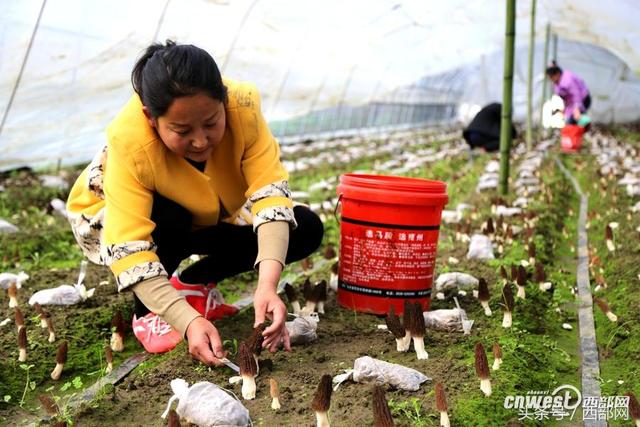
(268, 305)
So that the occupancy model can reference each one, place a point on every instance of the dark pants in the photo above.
(587, 103)
(230, 249)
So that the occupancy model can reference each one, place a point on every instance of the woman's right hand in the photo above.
(204, 342)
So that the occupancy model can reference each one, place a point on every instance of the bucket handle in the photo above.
(335, 210)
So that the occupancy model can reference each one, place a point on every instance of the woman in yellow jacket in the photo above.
(190, 167)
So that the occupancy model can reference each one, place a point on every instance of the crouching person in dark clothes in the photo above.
(484, 129)
(190, 167)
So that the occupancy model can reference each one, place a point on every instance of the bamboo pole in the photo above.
(507, 96)
(532, 41)
(545, 80)
(5, 114)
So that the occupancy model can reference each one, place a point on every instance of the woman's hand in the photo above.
(204, 342)
(268, 305)
(577, 114)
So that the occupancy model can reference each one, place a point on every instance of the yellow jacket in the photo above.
(110, 203)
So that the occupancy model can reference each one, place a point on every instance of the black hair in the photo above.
(553, 69)
(169, 71)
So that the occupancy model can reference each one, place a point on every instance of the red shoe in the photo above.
(155, 335)
(206, 299)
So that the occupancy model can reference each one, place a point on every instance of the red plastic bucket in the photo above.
(571, 138)
(388, 239)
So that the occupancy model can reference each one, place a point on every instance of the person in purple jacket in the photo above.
(573, 91)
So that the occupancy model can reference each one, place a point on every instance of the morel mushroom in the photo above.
(322, 401)
(532, 253)
(521, 282)
(274, 391)
(396, 328)
(41, 315)
(321, 295)
(329, 252)
(509, 303)
(606, 310)
(634, 408)
(12, 291)
(333, 278)
(109, 357)
(61, 359)
(608, 234)
(254, 342)
(48, 404)
(441, 406)
(381, 413)
(248, 371)
(49, 322)
(292, 296)
(22, 344)
(514, 273)
(418, 329)
(483, 295)
(18, 317)
(307, 264)
(497, 356)
(174, 419)
(311, 297)
(503, 275)
(117, 336)
(482, 369)
(488, 228)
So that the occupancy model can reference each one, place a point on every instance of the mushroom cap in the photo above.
(541, 276)
(521, 279)
(117, 322)
(406, 315)
(634, 406)
(18, 316)
(307, 290)
(329, 252)
(532, 250)
(322, 399)
(507, 297)
(320, 291)
(48, 404)
(291, 292)
(602, 304)
(393, 324)
(255, 340)
(482, 364)
(489, 227)
(274, 389)
(441, 398)
(381, 413)
(483, 290)
(335, 267)
(61, 354)
(514, 272)
(417, 324)
(497, 351)
(38, 308)
(173, 419)
(246, 361)
(108, 354)
(22, 337)
(608, 233)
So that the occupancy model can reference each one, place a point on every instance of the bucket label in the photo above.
(392, 261)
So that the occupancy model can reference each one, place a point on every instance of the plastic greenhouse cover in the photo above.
(303, 55)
